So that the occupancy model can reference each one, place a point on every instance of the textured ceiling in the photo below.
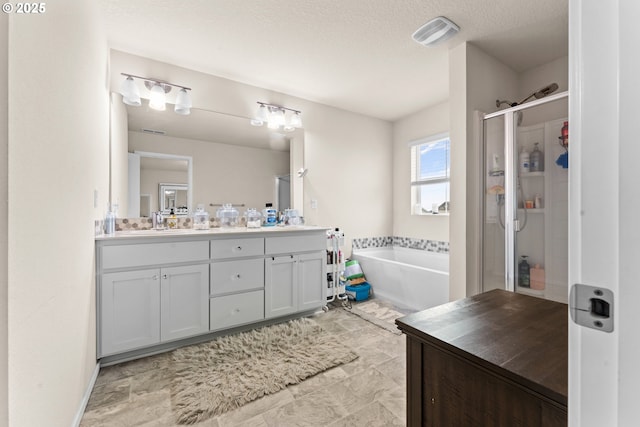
(352, 54)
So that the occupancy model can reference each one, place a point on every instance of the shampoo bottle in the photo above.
(524, 273)
(524, 161)
(110, 222)
(537, 159)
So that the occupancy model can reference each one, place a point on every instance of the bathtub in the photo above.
(408, 278)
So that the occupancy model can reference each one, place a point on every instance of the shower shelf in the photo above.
(531, 174)
(533, 210)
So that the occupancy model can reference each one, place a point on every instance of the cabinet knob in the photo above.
(237, 276)
(433, 401)
(238, 248)
(154, 277)
(236, 310)
(165, 276)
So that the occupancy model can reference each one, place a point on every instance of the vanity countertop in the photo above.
(217, 232)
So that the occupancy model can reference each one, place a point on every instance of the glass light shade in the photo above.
(130, 92)
(296, 120)
(183, 103)
(261, 116)
(276, 118)
(157, 99)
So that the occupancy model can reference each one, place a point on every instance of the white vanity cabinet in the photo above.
(160, 291)
(145, 307)
(294, 273)
(139, 306)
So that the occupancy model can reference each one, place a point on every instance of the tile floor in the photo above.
(369, 391)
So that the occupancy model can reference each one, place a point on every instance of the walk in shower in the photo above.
(525, 203)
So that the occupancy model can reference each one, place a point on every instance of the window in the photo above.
(430, 175)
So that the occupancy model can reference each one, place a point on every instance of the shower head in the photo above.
(547, 90)
(509, 103)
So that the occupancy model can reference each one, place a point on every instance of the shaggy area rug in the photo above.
(223, 374)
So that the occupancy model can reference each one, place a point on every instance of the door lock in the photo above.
(592, 307)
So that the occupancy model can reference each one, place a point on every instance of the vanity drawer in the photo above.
(235, 276)
(234, 310)
(236, 248)
(138, 255)
(293, 244)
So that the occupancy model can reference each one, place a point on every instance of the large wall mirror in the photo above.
(215, 157)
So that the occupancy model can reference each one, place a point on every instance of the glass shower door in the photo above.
(493, 187)
(525, 202)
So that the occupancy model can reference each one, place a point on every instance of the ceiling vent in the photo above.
(153, 131)
(435, 31)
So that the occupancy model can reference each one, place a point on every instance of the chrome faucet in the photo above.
(157, 220)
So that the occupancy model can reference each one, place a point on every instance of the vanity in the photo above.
(159, 290)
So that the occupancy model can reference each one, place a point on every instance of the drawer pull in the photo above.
(165, 276)
(154, 277)
(237, 276)
(238, 248)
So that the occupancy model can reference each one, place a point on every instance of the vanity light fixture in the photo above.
(277, 117)
(157, 94)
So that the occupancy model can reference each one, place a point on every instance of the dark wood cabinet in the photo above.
(495, 359)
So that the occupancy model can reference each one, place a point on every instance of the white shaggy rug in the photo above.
(223, 374)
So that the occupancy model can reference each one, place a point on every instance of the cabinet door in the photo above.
(184, 301)
(129, 311)
(311, 272)
(280, 290)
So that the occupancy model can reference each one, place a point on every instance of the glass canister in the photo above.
(201, 218)
(227, 215)
(254, 218)
(292, 217)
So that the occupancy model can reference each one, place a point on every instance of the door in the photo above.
(129, 311)
(184, 309)
(604, 205)
(311, 271)
(280, 286)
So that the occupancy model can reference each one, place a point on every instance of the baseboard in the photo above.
(85, 398)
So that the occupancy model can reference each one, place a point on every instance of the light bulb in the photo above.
(157, 99)
(261, 116)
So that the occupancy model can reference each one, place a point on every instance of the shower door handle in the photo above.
(516, 225)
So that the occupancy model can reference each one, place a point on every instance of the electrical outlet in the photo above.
(314, 204)
(95, 198)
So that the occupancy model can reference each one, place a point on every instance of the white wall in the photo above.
(222, 173)
(430, 121)
(4, 249)
(476, 81)
(348, 155)
(58, 156)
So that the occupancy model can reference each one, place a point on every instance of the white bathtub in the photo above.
(409, 278)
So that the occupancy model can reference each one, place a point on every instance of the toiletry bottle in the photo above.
(172, 221)
(524, 161)
(565, 134)
(109, 222)
(537, 159)
(523, 273)
(269, 215)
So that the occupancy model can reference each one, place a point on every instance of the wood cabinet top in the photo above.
(519, 337)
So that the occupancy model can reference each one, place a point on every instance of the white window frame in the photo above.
(416, 183)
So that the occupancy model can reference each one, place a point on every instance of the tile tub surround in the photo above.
(404, 242)
(128, 224)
